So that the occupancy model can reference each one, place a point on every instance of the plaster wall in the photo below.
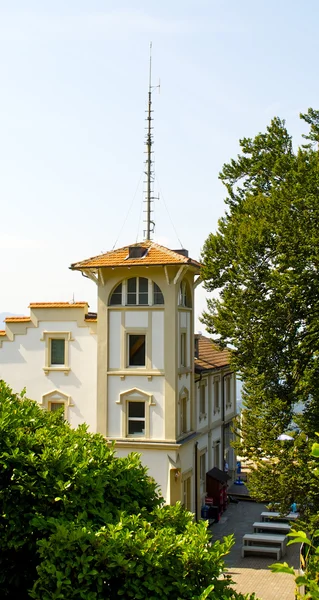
(22, 361)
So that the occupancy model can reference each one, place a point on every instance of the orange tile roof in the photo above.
(156, 255)
(17, 320)
(2, 332)
(209, 355)
(58, 304)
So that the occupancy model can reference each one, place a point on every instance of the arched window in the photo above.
(116, 296)
(184, 296)
(136, 291)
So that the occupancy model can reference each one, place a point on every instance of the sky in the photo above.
(74, 83)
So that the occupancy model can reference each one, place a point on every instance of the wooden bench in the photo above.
(261, 550)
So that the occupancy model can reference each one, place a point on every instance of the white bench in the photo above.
(261, 550)
(264, 539)
(269, 516)
(271, 526)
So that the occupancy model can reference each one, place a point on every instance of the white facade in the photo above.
(129, 374)
(23, 364)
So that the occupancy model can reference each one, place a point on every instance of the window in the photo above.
(184, 297)
(202, 469)
(183, 414)
(55, 406)
(136, 419)
(228, 391)
(202, 400)
(131, 291)
(136, 291)
(136, 412)
(116, 297)
(57, 354)
(217, 455)
(187, 493)
(183, 350)
(158, 297)
(136, 350)
(56, 400)
(216, 395)
(57, 351)
(142, 291)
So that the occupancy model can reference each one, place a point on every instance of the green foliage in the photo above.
(264, 262)
(308, 576)
(77, 522)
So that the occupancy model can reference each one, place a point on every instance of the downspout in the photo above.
(223, 420)
(196, 482)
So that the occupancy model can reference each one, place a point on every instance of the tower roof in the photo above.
(151, 254)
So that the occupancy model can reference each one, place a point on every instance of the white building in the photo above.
(130, 372)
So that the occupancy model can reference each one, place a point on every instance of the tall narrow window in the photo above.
(142, 290)
(158, 297)
(116, 297)
(216, 395)
(183, 404)
(184, 297)
(202, 468)
(57, 352)
(131, 290)
(183, 350)
(136, 350)
(187, 493)
(202, 399)
(217, 455)
(228, 391)
(136, 419)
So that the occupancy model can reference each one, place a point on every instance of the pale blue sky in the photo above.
(74, 78)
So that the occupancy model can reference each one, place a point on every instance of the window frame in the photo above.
(153, 288)
(216, 385)
(184, 424)
(135, 395)
(128, 334)
(228, 390)
(47, 336)
(135, 419)
(57, 397)
(202, 398)
(183, 354)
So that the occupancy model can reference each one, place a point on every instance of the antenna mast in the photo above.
(149, 171)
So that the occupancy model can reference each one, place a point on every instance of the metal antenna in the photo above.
(149, 171)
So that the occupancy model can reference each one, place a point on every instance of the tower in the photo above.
(145, 358)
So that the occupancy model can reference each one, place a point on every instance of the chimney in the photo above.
(182, 251)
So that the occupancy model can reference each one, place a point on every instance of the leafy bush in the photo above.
(77, 522)
(308, 578)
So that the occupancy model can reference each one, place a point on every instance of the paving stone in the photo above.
(251, 574)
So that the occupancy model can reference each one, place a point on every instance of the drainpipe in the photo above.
(223, 420)
(196, 482)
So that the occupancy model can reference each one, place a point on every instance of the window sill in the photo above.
(64, 369)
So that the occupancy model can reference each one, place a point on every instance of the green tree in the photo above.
(77, 522)
(264, 262)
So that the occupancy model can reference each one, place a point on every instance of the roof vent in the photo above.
(137, 251)
(182, 251)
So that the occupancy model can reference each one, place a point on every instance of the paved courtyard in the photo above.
(251, 574)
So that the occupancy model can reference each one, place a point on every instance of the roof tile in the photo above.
(17, 320)
(209, 355)
(156, 255)
(58, 304)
